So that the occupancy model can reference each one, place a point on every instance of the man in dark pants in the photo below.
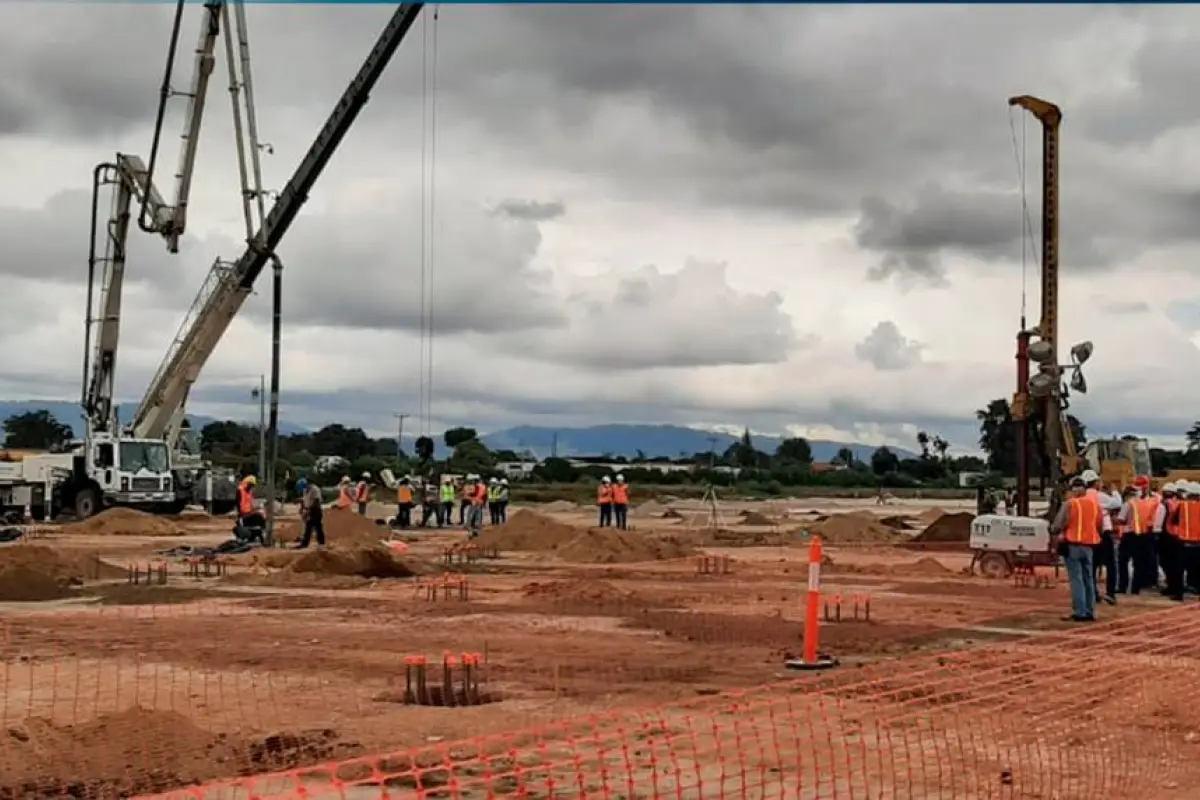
(1185, 525)
(1131, 529)
(314, 517)
(466, 490)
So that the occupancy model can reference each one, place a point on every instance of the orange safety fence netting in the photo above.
(1102, 711)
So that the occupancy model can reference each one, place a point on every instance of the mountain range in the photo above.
(651, 441)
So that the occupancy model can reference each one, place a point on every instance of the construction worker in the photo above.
(1078, 527)
(1131, 528)
(313, 513)
(604, 498)
(344, 499)
(362, 493)
(1105, 556)
(502, 501)
(446, 495)
(466, 491)
(249, 517)
(493, 500)
(1168, 541)
(404, 503)
(1185, 519)
(301, 485)
(476, 492)
(620, 503)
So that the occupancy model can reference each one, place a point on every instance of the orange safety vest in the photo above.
(404, 494)
(362, 492)
(604, 494)
(480, 494)
(620, 493)
(343, 500)
(1083, 521)
(1189, 521)
(1171, 525)
(245, 500)
(1142, 517)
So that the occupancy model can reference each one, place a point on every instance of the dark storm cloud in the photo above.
(532, 210)
(886, 348)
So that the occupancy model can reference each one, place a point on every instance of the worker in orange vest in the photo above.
(1105, 556)
(404, 503)
(620, 500)
(1077, 528)
(477, 494)
(1165, 544)
(1184, 525)
(604, 499)
(345, 498)
(362, 493)
(249, 517)
(1135, 528)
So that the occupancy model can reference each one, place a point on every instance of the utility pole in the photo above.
(712, 453)
(400, 436)
(259, 393)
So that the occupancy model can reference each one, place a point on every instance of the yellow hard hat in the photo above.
(250, 480)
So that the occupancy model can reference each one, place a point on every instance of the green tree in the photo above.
(1193, 437)
(795, 451)
(940, 446)
(923, 443)
(998, 436)
(556, 470)
(472, 455)
(36, 430)
(845, 457)
(884, 461)
(453, 437)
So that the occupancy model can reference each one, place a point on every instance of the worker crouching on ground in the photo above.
(621, 503)
(404, 503)
(604, 497)
(477, 492)
(446, 495)
(249, 517)
(362, 493)
(493, 500)
(313, 513)
(1077, 528)
(1135, 552)
(1183, 525)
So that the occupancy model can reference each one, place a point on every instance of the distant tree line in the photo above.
(335, 450)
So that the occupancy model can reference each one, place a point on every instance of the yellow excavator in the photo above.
(1119, 460)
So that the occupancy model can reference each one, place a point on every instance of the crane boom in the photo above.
(230, 284)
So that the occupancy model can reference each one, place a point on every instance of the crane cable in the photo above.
(428, 213)
(1029, 242)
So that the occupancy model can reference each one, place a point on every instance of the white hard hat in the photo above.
(1111, 502)
(472, 477)
(493, 479)
(1191, 487)
(605, 479)
(504, 481)
(620, 479)
(366, 475)
(1170, 487)
(345, 479)
(1089, 476)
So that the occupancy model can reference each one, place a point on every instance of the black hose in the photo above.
(164, 94)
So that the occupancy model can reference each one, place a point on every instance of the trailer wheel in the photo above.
(995, 565)
(87, 503)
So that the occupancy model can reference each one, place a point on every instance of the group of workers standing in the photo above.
(1131, 535)
(613, 500)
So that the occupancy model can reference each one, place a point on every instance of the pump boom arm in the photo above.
(230, 284)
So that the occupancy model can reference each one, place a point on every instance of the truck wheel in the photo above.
(87, 503)
(994, 565)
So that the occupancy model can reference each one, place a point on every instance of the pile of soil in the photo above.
(342, 527)
(948, 528)
(932, 515)
(335, 567)
(755, 518)
(528, 531)
(577, 591)
(923, 567)
(671, 513)
(139, 752)
(611, 546)
(124, 522)
(898, 522)
(859, 527)
(650, 509)
(559, 507)
(33, 573)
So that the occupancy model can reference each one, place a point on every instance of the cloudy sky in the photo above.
(795, 218)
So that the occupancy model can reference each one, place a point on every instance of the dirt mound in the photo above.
(559, 507)
(651, 508)
(33, 573)
(922, 567)
(931, 515)
(854, 528)
(671, 513)
(948, 528)
(137, 752)
(755, 518)
(331, 568)
(124, 522)
(342, 527)
(898, 522)
(577, 591)
(529, 531)
(611, 546)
